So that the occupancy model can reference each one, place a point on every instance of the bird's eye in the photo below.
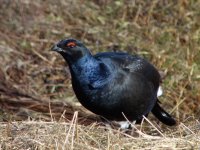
(71, 44)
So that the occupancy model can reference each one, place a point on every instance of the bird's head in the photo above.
(71, 49)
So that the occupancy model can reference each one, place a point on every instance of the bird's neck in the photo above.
(89, 70)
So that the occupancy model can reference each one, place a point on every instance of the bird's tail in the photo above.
(162, 115)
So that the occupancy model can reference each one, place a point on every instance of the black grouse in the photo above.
(113, 84)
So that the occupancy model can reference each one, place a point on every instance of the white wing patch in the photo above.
(160, 91)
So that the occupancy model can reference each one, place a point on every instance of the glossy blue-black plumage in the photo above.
(110, 83)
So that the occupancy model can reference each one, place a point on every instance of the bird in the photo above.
(114, 85)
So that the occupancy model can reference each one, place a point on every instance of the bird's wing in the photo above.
(134, 64)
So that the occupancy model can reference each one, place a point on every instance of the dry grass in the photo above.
(57, 135)
(37, 103)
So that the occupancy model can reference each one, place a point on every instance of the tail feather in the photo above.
(162, 115)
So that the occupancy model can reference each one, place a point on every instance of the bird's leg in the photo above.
(124, 124)
(121, 124)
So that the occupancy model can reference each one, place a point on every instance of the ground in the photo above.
(38, 109)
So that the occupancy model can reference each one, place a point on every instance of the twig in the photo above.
(153, 126)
